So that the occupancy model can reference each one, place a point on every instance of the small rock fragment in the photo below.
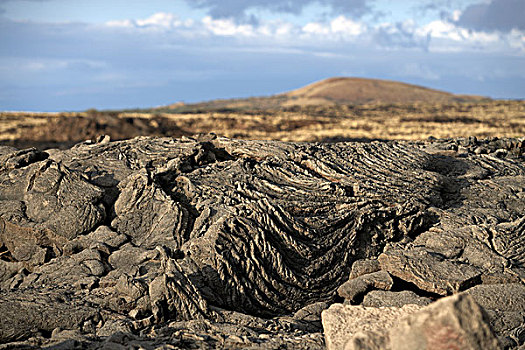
(381, 298)
(354, 288)
(112, 327)
(500, 153)
(481, 150)
(311, 313)
(364, 266)
(428, 271)
(470, 141)
(45, 311)
(22, 158)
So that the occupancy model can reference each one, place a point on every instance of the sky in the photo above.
(63, 55)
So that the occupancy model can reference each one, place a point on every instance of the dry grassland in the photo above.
(296, 123)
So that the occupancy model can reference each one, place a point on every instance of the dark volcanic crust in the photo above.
(214, 242)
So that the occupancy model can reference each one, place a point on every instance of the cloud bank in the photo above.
(446, 34)
(498, 15)
(239, 9)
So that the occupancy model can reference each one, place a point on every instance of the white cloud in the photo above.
(126, 23)
(456, 14)
(399, 35)
(339, 28)
(347, 27)
(166, 20)
(446, 36)
(284, 29)
(439, 35)
(227, 27)
(316, 28)
(277, 30)
(448, 30)
(516, 39)
(442, 29)
(159, 20)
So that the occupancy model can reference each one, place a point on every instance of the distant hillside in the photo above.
(334, 91)
(364, 91)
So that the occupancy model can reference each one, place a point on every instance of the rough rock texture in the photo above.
(363, 267)
(212, 242)
(505, 307)
(354, 288)
(349, 326)
(378, 298)
(428, 271)
(454, 322)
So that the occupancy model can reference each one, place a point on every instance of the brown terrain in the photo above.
(360, 91)
(331, 110)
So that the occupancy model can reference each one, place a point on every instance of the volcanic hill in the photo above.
(337, 91)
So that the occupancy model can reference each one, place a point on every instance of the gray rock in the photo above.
(11, 158)
(501, 153)
(367, 341)
(103, 238)
(52, 199)
(23, 314)
(312, 312)
(428, 271)
(148, 215)
(8, 271)
(455, 322)
(505, 307)
(149, 232)
(51, 210)
(112, 327)
(67, 271)
(130, 256)
(341, 323)
(364, 266)
(380, 298)
(509, 239)
(352, 289)
(503, 297)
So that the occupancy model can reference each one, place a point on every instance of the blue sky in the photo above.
(58, 55)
